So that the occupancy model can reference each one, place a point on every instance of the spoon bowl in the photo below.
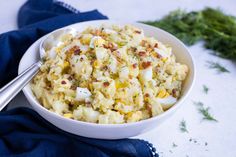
(9, 91)
(54, 39)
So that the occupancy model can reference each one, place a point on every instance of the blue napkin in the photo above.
(23, 133)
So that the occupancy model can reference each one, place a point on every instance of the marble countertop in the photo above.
(204, 138)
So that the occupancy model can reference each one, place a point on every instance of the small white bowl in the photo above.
(112, 131)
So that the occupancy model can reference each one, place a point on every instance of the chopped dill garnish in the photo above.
(217, 66)
(199, 103)
(174, 145)
(205, 89)
(216, 29)
(182, 126)
(205, 111)
(186, 26)
(206, 114)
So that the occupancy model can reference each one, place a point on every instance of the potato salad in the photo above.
(109, 75)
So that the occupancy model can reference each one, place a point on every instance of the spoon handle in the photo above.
(9, 91)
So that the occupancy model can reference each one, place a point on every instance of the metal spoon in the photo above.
(9, 91)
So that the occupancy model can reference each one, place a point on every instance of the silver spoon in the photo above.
(9, 91)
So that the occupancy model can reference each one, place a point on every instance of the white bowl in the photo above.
(112, 131)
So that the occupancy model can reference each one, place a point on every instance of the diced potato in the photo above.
(134, 116)
(111, 117)
(59, 107)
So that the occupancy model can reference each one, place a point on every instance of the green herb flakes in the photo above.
(211, 25)
(205, 89)
(217, 66)
(182, 126)
(174, 145)
(205, 112)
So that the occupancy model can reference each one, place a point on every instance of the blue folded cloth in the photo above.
(24, 133)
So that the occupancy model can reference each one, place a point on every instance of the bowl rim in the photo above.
(29, 95)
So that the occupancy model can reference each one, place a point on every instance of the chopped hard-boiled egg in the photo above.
(109, 31)
(68, 115)
(169, 100)
(146, 74)
(86, 113)
(96, 41)
(111, 117)
(82, 93)
(59, 107)
(113, 64)
(161, 52)
(124, 73)
(101, 53)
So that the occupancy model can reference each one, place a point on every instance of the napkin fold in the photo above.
(24, 133)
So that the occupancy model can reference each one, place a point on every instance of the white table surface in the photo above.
(221, 136)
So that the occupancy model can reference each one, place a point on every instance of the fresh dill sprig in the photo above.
(204, 111)
(199, 103)
(182, 126)
(205, 89)
(185, 26)
(217, 66)
(216, 29)
(206, 114)
(174, 145)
